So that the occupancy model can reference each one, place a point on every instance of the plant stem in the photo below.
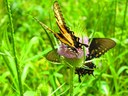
(13, 47)
(71, 80)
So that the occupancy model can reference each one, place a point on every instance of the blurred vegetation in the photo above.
(24, 69)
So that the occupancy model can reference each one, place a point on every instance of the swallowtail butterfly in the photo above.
(66, 36)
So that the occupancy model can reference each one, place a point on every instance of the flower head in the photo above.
(67, 52)
(74, 58)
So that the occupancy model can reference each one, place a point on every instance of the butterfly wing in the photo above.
(53, 56)
(62, 25)
(99, 46)
(65, 31)
(88, 68)
(59, 19)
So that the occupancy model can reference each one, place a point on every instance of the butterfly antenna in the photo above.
(43, 25)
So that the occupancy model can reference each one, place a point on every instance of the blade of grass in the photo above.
(13, 48)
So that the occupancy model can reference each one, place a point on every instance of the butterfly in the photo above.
(97, 47)
(66, 36)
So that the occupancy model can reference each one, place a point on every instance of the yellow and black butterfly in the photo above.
(66, 36)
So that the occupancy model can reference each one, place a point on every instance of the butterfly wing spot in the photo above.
(103, 51)
(72, 32)
(92, 52)
(80, 45)
(90, 57)
(100, 53)
(96, 50)
(97, 55)
(77, 39)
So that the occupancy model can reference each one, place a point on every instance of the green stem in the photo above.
(71, 80)
(13, 47)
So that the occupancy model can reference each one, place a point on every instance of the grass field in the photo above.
(24, 70)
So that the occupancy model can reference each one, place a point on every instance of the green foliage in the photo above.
(24, 69)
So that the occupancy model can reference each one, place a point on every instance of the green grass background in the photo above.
(24, 69)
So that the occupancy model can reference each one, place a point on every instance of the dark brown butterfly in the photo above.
(97, 47)
(66, 36)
